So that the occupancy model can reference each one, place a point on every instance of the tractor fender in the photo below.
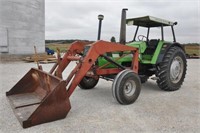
(165, 48)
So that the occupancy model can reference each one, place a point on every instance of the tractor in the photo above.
(164, 59)
(41, 96)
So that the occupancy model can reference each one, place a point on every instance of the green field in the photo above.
(193, 50)
(190, 49)
(63, 47)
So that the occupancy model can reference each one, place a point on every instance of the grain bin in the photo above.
(22, 25)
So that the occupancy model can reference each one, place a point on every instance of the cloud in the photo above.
(67, 19)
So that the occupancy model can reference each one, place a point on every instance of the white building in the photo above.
(22, 25)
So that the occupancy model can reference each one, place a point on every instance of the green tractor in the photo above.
(41, 97)
(166, 60)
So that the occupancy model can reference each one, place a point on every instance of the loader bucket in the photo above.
(39, 98)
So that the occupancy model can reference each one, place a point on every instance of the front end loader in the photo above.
(41, 96)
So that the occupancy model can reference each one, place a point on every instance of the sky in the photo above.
(77, 19)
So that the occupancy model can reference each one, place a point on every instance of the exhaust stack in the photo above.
(122, 37)
(100, 18)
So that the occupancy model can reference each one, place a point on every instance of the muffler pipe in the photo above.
(122, 37)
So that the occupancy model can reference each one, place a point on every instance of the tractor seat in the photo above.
(151, 46)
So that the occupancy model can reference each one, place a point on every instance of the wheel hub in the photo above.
(176, 69)
(129, 87)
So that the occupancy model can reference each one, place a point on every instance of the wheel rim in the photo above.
(176, 69)
(129, 88)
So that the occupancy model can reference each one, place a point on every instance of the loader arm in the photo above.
(75, 48)
(97, 49)
(41, 97)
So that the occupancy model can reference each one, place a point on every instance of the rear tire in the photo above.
(88, 83)
(172, 70)
(126, 87)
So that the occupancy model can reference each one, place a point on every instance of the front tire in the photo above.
(126, 87)
(172, 70)
(88, 83)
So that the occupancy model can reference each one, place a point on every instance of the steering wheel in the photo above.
(141, 38)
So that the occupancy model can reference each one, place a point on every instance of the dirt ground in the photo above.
(97, 111)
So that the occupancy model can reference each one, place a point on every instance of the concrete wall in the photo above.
(22, 25)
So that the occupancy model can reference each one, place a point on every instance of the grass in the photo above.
(63, 47)
(192, 50)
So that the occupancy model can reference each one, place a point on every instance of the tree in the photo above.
(112, 39)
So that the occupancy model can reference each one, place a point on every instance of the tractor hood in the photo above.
(141, 45)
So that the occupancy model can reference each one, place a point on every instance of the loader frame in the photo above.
(86, 66)
(41, 97)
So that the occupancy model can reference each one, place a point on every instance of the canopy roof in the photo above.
(149, 21)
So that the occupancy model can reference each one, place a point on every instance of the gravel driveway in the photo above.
(97, 111)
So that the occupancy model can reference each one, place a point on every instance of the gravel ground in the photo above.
(96, 110)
